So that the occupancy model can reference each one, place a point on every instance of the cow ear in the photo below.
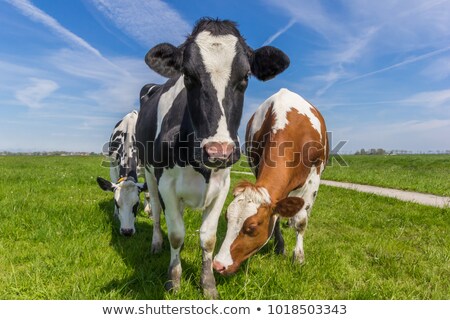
(267, 62)
(289, 206)
(165, 59)
(105, 184)
(142, 186)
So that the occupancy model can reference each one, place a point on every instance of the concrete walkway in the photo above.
(417, 197)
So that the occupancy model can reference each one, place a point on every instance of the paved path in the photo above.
(417, 197)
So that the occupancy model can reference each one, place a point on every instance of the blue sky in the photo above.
(379, 71)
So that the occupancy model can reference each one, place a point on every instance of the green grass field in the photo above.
(421, 173)
(58, 240)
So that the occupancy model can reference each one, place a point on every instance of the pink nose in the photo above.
(218, 266)
(219, 150)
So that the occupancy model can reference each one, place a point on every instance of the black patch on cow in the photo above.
(161, 201)
(216, 27)
(105, 184)
(135, 208)
(158, 173)
(117, 124)
(268, 61)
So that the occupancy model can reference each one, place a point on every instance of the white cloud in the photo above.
(34, 93)
(427, 135)
(114, 87)
(37, 15)
(430, 99)
(362, 32)
(439, 69)
(310, 13)
(273, 37)
(115, 82)
(402, 63)
(148, 22)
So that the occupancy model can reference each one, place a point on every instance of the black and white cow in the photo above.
(123, 171)
(189, 129)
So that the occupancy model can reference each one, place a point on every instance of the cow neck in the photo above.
(277, 182)
(274, 175)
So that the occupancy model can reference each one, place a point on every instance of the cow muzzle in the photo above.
(218, 267)
(127, 232)
(225, 271)
(219, 150)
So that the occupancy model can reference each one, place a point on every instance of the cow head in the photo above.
(251, 217)
(126, 200)
(215, 63)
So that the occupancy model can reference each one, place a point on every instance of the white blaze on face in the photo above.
(126, 196)
(244, 205)
(218, 53)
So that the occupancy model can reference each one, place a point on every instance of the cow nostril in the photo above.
(127, 232)
(219, 150)
(218, 266)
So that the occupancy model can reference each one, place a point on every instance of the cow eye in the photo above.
(250, 229)
(135, 208)
(242, 84)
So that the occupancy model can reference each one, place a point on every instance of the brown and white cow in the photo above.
(288, 150)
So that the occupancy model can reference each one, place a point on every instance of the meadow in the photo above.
(58, 240)
(420, 173)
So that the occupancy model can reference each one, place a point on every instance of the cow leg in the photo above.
(147, 206)
(278, 237)
(157, 238)
(173, 212)
(114, 175)
(176, 231)
(300, 221)
(208, 232)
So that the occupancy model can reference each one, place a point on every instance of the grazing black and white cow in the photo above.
(123, 171)
(189, 129)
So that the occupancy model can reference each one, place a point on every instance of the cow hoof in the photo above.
(211, 293)
(208, 283)
(298, 257)
(156, 248)
(280, 251)
(172, 286)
